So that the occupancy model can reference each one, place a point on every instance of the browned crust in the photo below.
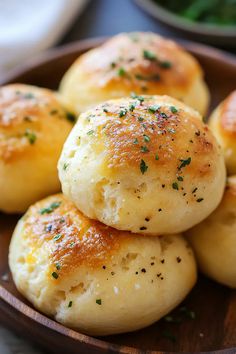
(23, 111)
(161, 138)
(172, 65)
(82, 241)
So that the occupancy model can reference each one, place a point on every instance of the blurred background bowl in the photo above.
(218, 35)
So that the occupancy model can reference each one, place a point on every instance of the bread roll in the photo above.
(143, 164)
(94, 278)
(214, 239)
(223, 124)
(33, 128)
(144, 63)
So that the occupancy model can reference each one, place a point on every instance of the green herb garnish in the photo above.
(146, 138)
(121, 72)
(147, 54)
(55, 275)
(175, 186)
(144, 149)
(184, 162)
(57, 237)
(173, 109)
(70, 117)
(99, 301)
(31, 136)
(50, 209)
(143, 166)
(70, 304)
(90, 132)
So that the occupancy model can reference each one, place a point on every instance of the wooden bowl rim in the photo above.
(7, 296)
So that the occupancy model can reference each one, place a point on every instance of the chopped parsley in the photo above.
(147, 54)
(70, 117)
(140, 119)
(57, 237)
(99, 301)
(65, 166)
(113, 65)
(184, 162)
(180, 178)
(122, 112)
(90, 132)
(175, 186)
(146, 138)
(200, 200)
(135, 141)
(105, 110)
(55, 275)
(156, 157)
(131, 107)
(144, 149)
(50, 209)
(153, 109)
(140, 98)
(31, 136)
(143, 166)
(58, 266)
(165, 64)
(70, 304)
(28, 95)
(121, 72)
(173, 109)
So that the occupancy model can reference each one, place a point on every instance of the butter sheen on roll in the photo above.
(33, 128)
(145, 164)
(140, 62)
(93, 278)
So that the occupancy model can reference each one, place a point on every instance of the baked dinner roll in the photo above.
(139, 62)
(223, 124)
(33, 128)
(214, 239)
(94, 278)
(146, 164)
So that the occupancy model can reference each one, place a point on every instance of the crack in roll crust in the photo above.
(139, 62)
(214, 239)
(223, 124)
(136, 163)
(84, 273)
(33, 127)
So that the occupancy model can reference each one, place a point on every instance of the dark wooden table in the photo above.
(100, 18)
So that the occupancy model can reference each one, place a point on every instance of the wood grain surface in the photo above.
(207, 316)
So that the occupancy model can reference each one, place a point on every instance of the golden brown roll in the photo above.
(94, 278)
(144, 63)
(33, 128)
(223, 125)
(214, 239)
(143, 164)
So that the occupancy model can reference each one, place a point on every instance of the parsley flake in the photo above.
(57, 237)
(147, 54)
(31, 136)
(55, 275)
(140, 98)
(90, 132)
(173, 109)
(121, 72)
(153, 109)
(58, 266)
(175, 186)
(156, 157)
(146, 138)
(143, 166)
(144, 149)
(135, 141)
(184, 162)
(70, 117)
(99, 301)
(122, 112)
(50, 209)
(70, 304)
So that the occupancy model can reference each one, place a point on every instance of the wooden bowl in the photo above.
(223, 36)
(214, 328)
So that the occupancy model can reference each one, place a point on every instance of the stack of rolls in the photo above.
(108, 255)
